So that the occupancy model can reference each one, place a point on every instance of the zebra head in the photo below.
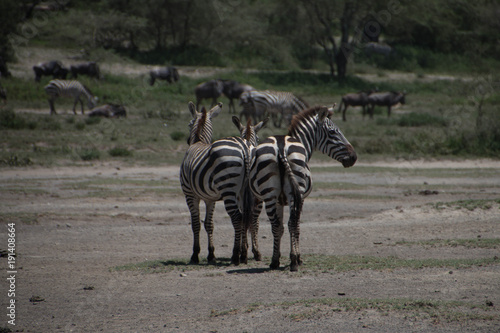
(200, 127)
(331, 141)
(249, 132)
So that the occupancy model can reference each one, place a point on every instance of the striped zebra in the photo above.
(280, 174)
(69, 88)
(278, 104)
(249, 133)
(212, 172)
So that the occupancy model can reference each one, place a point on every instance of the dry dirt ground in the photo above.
(77, 227)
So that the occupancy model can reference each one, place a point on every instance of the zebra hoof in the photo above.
(194, 261)
(257, 256)
(275, 265)
(294, 267)
(235, 261)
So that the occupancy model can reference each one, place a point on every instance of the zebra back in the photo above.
(70, 88)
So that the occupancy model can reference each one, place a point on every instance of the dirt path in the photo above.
(75, 226)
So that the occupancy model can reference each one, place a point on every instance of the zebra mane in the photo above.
(248, 134)
(302, 117)
(201, 124)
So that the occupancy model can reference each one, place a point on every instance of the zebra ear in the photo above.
(216, 110)
(261, 124)
(323, 113)
(192, 109)
(237, 123)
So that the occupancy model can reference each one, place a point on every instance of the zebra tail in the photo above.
(248, 198)
(297, 196)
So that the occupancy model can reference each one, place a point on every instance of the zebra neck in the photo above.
(307, 141)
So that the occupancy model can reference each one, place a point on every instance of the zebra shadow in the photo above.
(254, 270)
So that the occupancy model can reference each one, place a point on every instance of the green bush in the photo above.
(10, 120)
(89, 154)
(119, 152)
(177, 135)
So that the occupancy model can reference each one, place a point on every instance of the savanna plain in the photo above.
(407, 240)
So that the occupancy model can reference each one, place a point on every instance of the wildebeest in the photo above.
(388, 99)
(4, 71)
(109, 111)
(355, 99)
(169, 73)
(210, 89)
(377, 48)
(233, 90)
(54, 68)
(89, 68)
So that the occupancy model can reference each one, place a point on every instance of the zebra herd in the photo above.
(246, 176)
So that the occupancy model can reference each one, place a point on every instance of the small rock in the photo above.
(183, 275)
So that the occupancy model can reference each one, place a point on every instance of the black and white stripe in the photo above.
(278, 104)
(280, 175)
(72, 89)
(249, 133)
(212, 172)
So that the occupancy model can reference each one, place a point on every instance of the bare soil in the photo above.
(76, 225)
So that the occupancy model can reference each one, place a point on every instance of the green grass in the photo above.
(466, 204)
(436, 311)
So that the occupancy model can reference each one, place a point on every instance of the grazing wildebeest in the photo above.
(377, 48)
(233, 90)
(388, 99)
(4, 71)
(89, 68)
(169, 73)
(109, 111)
(210, 89)
(355, 99)
(54, 68)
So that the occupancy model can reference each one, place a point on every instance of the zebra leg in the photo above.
(237, 221)
(275, 213)
(76, 102)
(209, 228)
(254, 230)
(194, 208)
(294, 229)
(52, 108)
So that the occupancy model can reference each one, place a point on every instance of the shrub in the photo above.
(177, 135)
(119, 151)
(80, 125)
(88, 154)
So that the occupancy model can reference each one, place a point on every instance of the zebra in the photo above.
(278, 104)
(73, 89)
(280, 175)
(212, 172)
(249, 132)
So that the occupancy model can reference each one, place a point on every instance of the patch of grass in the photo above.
(415, 119)
(10, 120)
(466, 204)
(435, 311)
(323, 263)
(16, 161)
(484, 243)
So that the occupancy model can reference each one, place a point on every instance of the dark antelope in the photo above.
(170, 74)
(354, 99)
(54, 68)
(212, 89)
(388, 99)
(90, 69)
